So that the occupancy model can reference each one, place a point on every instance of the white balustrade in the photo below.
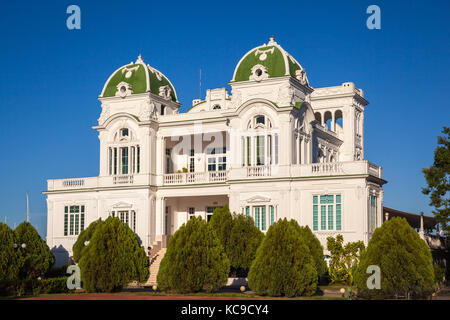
(123, 179)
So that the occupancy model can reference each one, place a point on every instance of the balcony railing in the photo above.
(259, 171)
(195, 177)
(242, 173)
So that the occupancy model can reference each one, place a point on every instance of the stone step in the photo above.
(154, 267)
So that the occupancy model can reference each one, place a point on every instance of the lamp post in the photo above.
(23, 246)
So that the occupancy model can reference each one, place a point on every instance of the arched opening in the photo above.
(318, 117)
(328, 119)
(338, 118)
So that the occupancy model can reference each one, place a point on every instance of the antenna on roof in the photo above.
(200, 96)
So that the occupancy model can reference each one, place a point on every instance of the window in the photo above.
(330, 212)
(260, 119)
(124, 132)
(216, 107)
(272, 215)
(209, 212)
(264, 216)
(73, 220)
(260, 140)
(217, 160)
(124, 162)
(373, 206)
(126, 216)
(191, 161)
(191, 213)
(163, 109)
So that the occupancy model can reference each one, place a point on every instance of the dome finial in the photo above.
(272, 39)
(139, 59)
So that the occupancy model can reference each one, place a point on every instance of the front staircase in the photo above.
(155, 261)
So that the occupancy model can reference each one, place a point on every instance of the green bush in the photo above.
(439, 273)
(10, 258)
(36, 256)
(404, 259)
(315, 248)
(239, 237)
(195, 260)
(113, 258)
(84, 236)
(283, 263)
(344, 259)
(221, 223)
(56, 272)
(55, 285)
(34, 287)
(244, 240)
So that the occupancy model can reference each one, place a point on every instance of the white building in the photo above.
(274, 148)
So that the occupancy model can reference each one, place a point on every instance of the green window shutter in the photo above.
(247, 211)
(71, 224)
(330, 217)
(338, 198)
(272, 215)
(66, 210)
(82, 219)
(323, 217)
(338, 216)
(263, 218)
(77, 223)
(315, 213)
(257, 218)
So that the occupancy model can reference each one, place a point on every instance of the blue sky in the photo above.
(51, 77)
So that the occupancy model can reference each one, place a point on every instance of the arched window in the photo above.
(124, 154)
(327, 118)
(260, 145)
(318, 117)
(339, 119)
(217, 107)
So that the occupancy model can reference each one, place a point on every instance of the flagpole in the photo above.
(28, 210)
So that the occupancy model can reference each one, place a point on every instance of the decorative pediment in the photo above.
(123, 205)
(258, 198)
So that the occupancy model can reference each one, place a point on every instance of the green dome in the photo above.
(139, 78)
(276, 62)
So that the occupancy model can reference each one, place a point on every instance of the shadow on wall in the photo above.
(61, 256)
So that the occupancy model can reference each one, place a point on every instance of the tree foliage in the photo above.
(113, 258)
(83, 237)
(36, 257)
(10, 258)
(404, 259)
(438, 180)
(316, 249)
(239, 237)
(283, 263)
(221, 222)
(244, 240)
(195, 260)
(344, 259)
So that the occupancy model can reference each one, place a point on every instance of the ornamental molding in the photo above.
(123, 89)
(258, 198)
(259, 72)
(164, 92)
(122, 205)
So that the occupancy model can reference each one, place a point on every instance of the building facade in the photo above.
(273, 148)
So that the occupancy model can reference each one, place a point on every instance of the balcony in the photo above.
(242, 173)
(195, 177)
(97, 182)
